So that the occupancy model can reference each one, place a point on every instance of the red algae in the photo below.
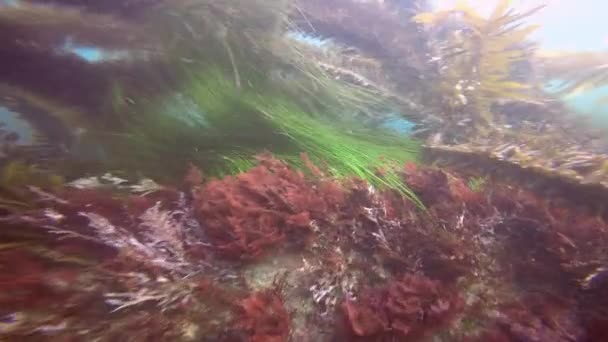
(246, 215)
(409, 307)
(498, 263)
(264, 317)
(535, 318)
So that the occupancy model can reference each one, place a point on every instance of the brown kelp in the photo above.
(495, 103)
(478, 59)
(575, 71)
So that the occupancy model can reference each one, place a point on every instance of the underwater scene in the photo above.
(303, 170)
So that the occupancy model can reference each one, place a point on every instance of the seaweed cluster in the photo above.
(569, 154)
(405, 308)
(274, 254)
(261, 208)
(486, 80)
(375, 42)
(336, 234)
(199, 82)
(265, 317)
(476, 62)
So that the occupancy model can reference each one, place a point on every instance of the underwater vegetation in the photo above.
(15, 178)
(222, 142)
(241, 228)
(478, 58)
(301, 257)
(200, 82)
(394, 310)
(376, 42)
(203, 170)
(575, 72)
(506, 112)
(476, 183)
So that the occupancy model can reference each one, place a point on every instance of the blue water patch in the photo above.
(14, 123)
(555, 86)
(400, 126)
(592, 102)
(93, 54)
(309, 39)
(89, 54)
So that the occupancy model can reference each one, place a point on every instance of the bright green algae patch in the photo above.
(220, 128)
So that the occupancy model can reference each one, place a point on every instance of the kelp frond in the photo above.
(575, 72)
(480, 58)
(18, 174)
(43, 53)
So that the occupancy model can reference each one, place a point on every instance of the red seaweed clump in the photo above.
(245, 215)
(118, 257)
(542, 240)
(264, 317)
(534, 243)
(87, 259)
(431, 185)
(435, 186)
(540, 318)
(545, 242)
(409, 307)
